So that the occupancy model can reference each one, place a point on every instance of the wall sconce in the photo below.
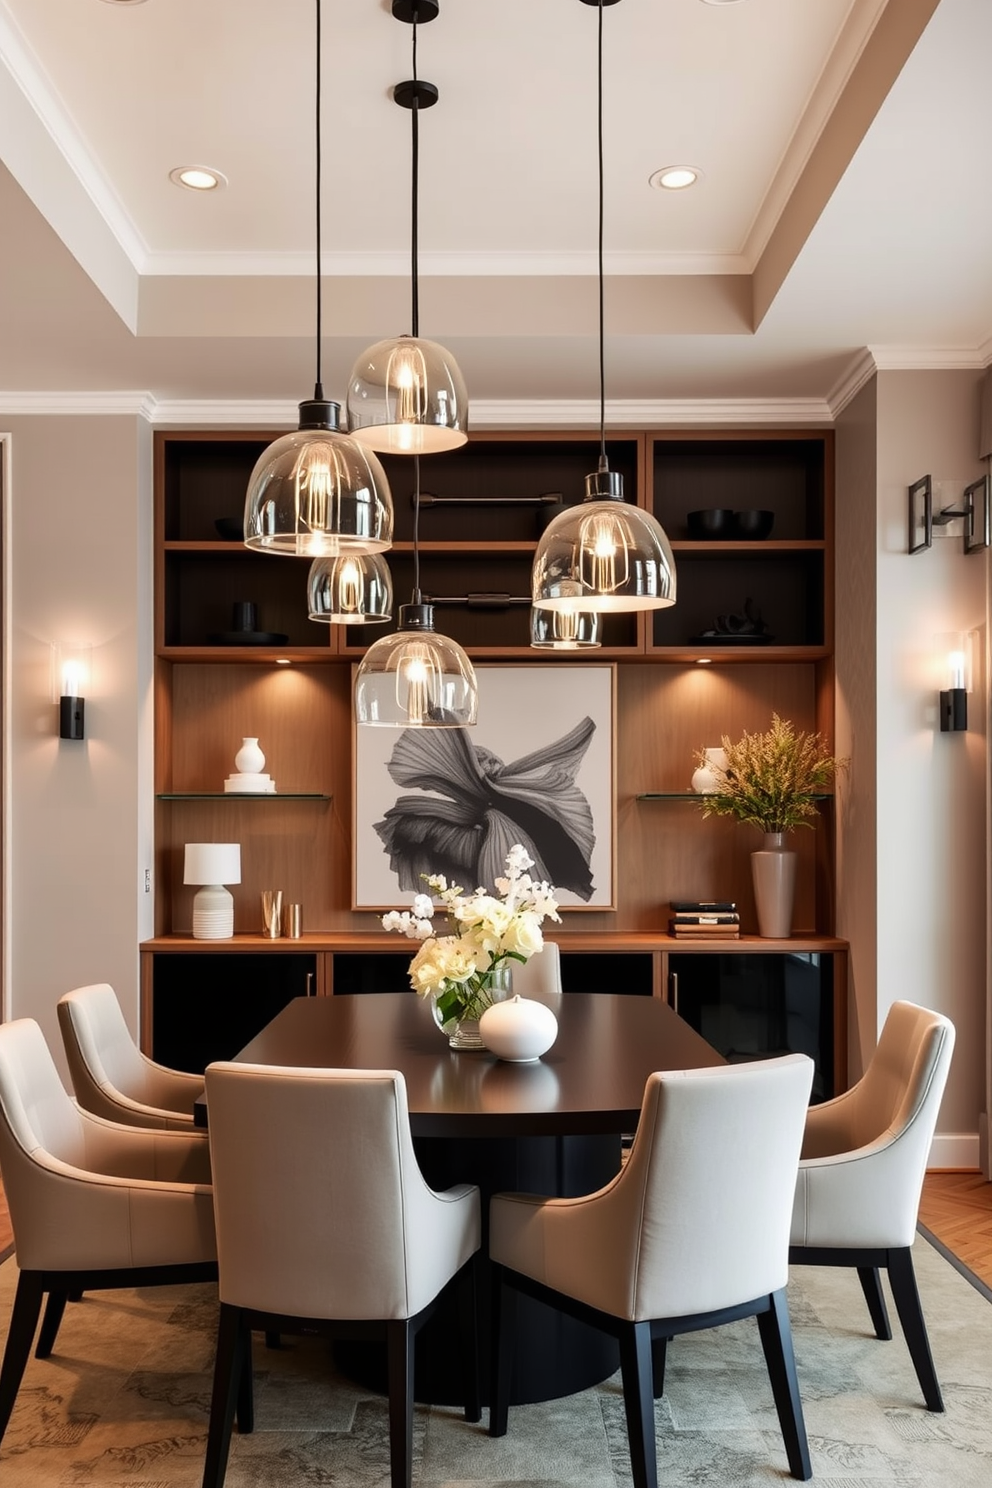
(213, 864)
(71, 668)
(973, 510)
(955, 651)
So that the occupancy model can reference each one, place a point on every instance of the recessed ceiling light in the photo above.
(721, 2)
(125, 2)
(283, 661)
(196, 177)
(705, 660)
(675, 177)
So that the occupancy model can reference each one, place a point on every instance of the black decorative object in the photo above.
(745, 629)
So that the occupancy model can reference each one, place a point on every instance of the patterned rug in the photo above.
(123, 1404)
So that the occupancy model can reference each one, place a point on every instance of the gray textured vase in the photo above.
(773, 872)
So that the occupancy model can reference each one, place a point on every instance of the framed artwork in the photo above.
(920, 515)
(538, 768)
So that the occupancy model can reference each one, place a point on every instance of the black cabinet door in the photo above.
(755, 1006)
(208, 1007)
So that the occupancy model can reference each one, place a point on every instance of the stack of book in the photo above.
(699, 919)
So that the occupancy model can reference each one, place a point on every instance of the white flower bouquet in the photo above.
(490, 931)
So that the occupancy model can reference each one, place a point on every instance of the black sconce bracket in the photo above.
(975, 510)
(953, 710)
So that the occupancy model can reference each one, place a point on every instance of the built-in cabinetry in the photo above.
(483, 511)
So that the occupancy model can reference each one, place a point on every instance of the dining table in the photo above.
(554, 1126)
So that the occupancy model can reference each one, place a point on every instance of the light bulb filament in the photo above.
(603, 555)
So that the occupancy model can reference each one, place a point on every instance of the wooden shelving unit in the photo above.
(479, 539)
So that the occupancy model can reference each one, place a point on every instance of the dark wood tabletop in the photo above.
(590, 1081)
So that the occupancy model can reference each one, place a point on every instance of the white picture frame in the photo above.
(453, 801)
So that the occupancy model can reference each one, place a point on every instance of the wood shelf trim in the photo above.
(242, 796)
(645, 941)
(777, 547)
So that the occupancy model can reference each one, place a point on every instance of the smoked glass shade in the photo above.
(416, 678)
(564, 629)
(316, 493)
(603, 556)
(351, 589)
(407, 397)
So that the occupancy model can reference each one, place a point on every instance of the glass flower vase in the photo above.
(495, 985)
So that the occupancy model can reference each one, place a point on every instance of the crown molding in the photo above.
(84, 405)
(486, 413)
(860, 369)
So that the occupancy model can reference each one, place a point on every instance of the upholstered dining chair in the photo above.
(693, 1232)
(861, 1174)
(92, 1204)
(110, 1076)
(325, 1223)
(541, 975)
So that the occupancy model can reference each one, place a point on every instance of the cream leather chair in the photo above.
(693, 1232)
(92, 1205)
(863, 1163)
(110, 1075)
(540, 977)
(324, 1223)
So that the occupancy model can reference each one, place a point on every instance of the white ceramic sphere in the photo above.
(518, 1030)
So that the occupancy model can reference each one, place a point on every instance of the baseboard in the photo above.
(955, 1151)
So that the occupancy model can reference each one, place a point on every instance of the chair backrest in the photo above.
(99, 1048)
(36, 1113)
(900, 1092)
(541, 975)
(704, 1204)
(318, 1200)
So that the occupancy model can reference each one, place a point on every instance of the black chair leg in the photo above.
(399, 1356)
(20, 1336)
(638, 1398)
(230, 1356)
(502, 1316)
(659, 1356)
(468, 1338)
(776, 1340)
(54, 1308)
(245, 1412)
(871, 1285)
(907, 1299)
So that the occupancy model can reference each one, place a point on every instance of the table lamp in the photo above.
(213, 864)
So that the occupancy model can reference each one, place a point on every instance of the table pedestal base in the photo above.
(555, 1355)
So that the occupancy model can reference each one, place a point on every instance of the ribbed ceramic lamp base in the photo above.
(213, 913)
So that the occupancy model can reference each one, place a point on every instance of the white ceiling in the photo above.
(844, 204)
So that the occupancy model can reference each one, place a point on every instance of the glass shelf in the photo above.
(242, 796)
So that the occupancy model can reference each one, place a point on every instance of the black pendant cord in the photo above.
(318, 391)
(415, 195)
(416, 530)
(603, 462)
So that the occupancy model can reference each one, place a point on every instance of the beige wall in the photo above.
(79, 833)
(857, 838)
(912, 825)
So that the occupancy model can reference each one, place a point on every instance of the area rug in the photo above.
(123, 1403)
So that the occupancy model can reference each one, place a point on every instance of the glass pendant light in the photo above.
(564, 629)
(416, 678)
(351, 589)
(407, 396)
(315, 492)
(607, 554)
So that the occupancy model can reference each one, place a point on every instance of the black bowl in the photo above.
(713, 521)
(231, 529)
(753, 524)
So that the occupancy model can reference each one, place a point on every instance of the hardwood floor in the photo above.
(956, 1207)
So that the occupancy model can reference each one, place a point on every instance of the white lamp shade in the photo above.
(212, 863)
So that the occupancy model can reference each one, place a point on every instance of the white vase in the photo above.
(519, 1030)
(773, 873)
(708, 778)
(249, 759)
